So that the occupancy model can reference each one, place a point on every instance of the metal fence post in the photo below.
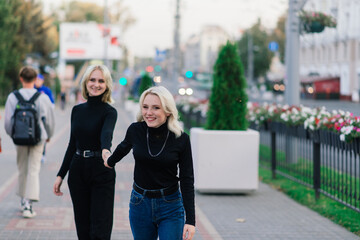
(198, 119)
(273, 154)
(316, 169)
(187, 119)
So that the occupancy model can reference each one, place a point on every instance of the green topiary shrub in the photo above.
(228, 100)
(146, 82)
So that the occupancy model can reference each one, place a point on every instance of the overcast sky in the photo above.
(155, 19)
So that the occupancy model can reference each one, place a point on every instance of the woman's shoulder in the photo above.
(110, 108)
(77, 107)
(184, 136)
(135, 128)
(137, 125)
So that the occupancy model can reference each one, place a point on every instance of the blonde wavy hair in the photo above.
(108, 81)
(169, 106)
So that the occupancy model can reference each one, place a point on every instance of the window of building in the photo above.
(345, 50)
(336, 52)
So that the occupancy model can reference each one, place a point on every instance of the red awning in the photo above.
(312, 79)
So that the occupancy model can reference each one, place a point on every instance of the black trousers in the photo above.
(92, 187)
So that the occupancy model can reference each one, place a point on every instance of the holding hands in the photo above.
(105, 155)
(57, 185)
(189, 231)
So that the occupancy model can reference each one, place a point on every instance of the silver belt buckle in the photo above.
(85, 152)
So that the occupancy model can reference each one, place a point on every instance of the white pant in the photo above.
(29, 164)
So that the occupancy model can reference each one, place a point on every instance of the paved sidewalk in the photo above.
(265, 214)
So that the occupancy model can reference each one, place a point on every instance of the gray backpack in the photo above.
(26, 129)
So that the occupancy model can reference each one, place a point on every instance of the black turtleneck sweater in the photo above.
(92, 126)
(161, 171)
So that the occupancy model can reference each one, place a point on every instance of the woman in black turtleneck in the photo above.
(91, 184)
(161, 149)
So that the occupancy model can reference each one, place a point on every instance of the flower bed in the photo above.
(343, 124)
(303, 120)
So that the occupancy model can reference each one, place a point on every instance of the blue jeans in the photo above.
(153, 217)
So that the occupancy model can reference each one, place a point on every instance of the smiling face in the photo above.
(96, 84)
(153, 112)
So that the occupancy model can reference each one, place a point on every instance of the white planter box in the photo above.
(225, 161)
(130, 105)
(133, 108)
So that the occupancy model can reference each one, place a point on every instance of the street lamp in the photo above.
(292, 83)
(105, 34)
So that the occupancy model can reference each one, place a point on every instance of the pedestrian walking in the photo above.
(29, 156)
(91, 184)
(39, 85)
(161, 149)
(62, 99)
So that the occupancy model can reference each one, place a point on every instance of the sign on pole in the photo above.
(87, 41)
(273, 46)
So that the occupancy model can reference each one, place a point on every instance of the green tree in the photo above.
(228, 100)
(38, 31)
(146, 82)
(24, 31)
(83, 12)
(262, 55)
(11, 46)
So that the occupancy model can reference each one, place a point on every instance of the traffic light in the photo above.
(123, 81)
(157, 68)
(189, 74)
(149, 69)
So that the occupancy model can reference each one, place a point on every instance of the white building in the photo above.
(201, 49)
(335, 52)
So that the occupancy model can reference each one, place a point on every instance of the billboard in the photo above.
(87, 41)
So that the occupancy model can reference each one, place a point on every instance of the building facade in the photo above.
(335, 52)
(201, 49)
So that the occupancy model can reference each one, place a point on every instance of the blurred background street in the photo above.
(290, 52)
(265, 214)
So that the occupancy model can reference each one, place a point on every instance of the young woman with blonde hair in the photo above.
(91, 184)
(158, 208)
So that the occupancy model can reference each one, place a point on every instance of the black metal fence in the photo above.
(317, 159)
(191, 118)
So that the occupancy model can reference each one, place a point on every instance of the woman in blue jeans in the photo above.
(158, 208)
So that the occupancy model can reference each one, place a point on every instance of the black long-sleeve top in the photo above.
(92, 126)
(161, 171)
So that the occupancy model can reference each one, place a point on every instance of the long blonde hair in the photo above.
(108, 81)
(169, 106)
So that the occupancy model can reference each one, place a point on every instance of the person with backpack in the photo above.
(29, 121)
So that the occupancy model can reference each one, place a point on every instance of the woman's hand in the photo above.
(189, 231)
(57, 186)
(105, 155)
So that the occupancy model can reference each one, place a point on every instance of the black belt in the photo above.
(156, 193)
(88, 153)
